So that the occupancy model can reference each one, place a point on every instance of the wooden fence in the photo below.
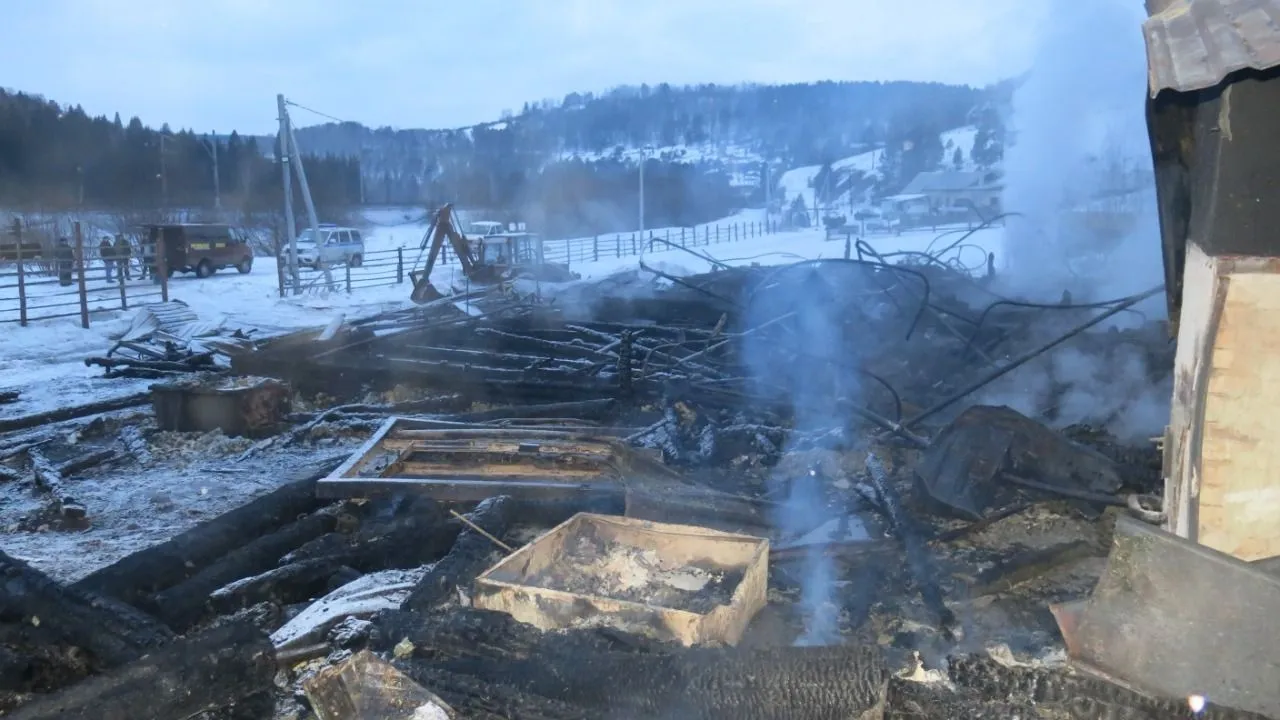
(388, 267)
(575, 251)
(67, 281)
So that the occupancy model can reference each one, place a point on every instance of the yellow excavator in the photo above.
(488, 260)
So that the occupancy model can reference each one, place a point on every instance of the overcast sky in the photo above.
(218, 64)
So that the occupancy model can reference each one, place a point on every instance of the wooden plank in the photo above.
(1240, 452)
(1223, 449)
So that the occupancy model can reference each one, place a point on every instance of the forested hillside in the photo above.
(55, 157)
(568, 166)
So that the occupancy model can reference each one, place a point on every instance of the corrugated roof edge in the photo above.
(1196, 44)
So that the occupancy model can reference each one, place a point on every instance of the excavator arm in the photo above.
(441, 230)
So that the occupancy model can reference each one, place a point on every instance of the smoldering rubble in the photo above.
(765, 492)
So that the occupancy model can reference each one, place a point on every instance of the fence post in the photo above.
(84, 293)
(568, 253)
(717, 233)
(124, 298)
(706, 234)
(162, 267)
(633, 244)
(681, 237)
(595, 248)
(617, 244)
(347, 271)
(650, 241)
(737, 232)
(22, 275)
(399, 265)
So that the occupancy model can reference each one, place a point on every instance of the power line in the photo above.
(315, 112)
(476, 126)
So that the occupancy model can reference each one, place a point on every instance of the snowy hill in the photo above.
(865, 166)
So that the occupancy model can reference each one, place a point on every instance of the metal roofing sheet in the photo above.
(1195, 44)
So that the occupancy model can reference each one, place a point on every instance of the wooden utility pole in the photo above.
(282, 140)
(164, 178)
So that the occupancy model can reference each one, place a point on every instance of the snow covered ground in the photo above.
(195, 477)
(45, 360)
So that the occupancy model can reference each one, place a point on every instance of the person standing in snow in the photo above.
(65, 257)
(107, 252)
(124, 253)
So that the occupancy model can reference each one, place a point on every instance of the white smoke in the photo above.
(1079, 165)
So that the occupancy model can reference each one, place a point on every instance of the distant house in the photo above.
(945, 192)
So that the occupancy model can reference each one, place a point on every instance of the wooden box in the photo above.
(671, 582)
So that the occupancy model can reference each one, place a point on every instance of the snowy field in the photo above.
(45, 360)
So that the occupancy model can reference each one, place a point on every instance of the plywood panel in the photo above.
(1239, 488)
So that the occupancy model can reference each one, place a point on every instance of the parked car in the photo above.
(335, 246)
(201, 248)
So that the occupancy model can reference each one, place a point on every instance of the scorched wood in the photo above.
(71, 413)
(136, 577)
(182, 605)
(112, 633)
(186, 677)
(796, 683)
(469, 556)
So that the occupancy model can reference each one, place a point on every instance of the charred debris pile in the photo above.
(771, 486)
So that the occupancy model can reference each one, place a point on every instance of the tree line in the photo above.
(56, 158)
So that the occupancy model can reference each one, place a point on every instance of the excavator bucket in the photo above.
(423, 290)
(1174, 618)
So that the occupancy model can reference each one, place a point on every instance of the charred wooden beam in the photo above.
(189, 676)
(469, 556)
(184, 604)
(77, 411)
(136, 577)
(113, 633)
(80, 463)
(47, 476)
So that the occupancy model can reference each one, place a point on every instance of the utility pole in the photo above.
(282, 140)
(768, 191)
(164, 178)
(642, 159)
(312, 219)
(217, 186)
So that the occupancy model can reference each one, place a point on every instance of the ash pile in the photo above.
(779, 492)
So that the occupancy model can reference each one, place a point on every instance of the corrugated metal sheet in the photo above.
(1194, 44)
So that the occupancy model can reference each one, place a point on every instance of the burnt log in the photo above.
(794, 683)
(416, 534)
(113, 633)
(136, 577)
(469, 556)
(9, 396)
(582, 410)
(131, 439)
(80, 463)
(46, 474)
(1077, 696)
(284, 585)
(195, 363)
(77, 411)
(479, 700)
(189, 676)
(184, 604)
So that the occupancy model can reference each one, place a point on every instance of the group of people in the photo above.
(116, 254)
